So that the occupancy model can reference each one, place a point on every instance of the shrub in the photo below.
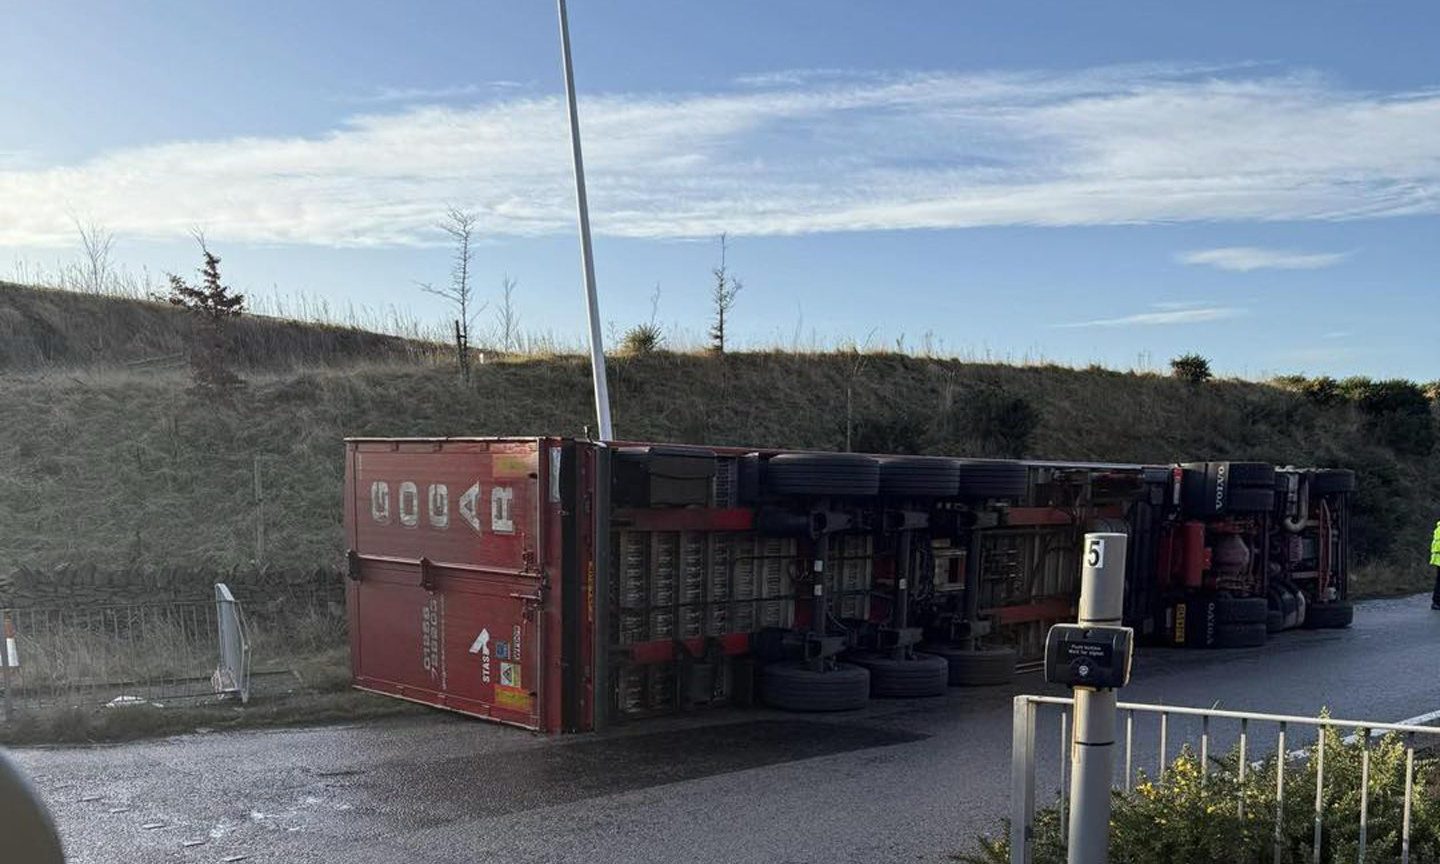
(642, 339)
(1189, 817)
(1192, 368)
(890, 432)
(1002, 423)
(1397, 412)
(1322, 390)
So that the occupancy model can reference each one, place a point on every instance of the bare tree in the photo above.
(96, 244)
(460, 225)
(722, 299)
(507, 317)
(859, 359)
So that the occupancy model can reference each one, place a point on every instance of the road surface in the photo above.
(900, 781)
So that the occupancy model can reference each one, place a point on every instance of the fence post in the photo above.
(259, 515)
(1022, 780)
(1102, 604)
(8, 656)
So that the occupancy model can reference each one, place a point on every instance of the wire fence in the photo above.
(151, 653)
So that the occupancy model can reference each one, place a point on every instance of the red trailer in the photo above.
(565, 585)
(461, 584)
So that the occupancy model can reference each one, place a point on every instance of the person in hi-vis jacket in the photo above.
(1435, 562)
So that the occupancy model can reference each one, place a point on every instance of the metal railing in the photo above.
(162, 653)
(1236, 727)
(232, 676)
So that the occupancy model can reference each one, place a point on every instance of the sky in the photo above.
(1098, 182)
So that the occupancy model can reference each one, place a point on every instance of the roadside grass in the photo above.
(127, 467)
(78, 685)
(91, 725)
(1385, 580)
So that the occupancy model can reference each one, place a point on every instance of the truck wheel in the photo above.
(977, 667)
(919, 477)
(992, 478)
(1240, 610)
(1327, 481)
(748, 473)
(1240, 635)
(1274, 621)
(794, 686)
(925, 675)
(1250, 500)
(1327, 616)
(822, 474)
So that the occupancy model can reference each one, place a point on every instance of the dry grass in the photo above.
(88, 725)
(46, 329)
(122, 464)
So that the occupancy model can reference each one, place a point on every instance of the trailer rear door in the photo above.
(448, 541)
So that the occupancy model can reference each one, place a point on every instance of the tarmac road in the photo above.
(900, 781)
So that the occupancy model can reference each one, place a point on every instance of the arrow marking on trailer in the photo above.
(470, 507)
(481, 645)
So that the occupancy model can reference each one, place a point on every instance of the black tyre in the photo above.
(823, 474)
(977, 667)
(1250, 500)
(1240, 610)
(925, 675)
(748, 474)
(1328, 616)
(1274, 621)
(987, 478)
(1240, 635)
(1250, 475)
(794, 686)
(1327, 481)
(919, 477)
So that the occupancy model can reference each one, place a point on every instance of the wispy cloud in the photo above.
(1246, 258)
(1189, 315)
(433, 94)
(802, 154)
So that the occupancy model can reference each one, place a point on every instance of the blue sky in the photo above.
(1075, 182)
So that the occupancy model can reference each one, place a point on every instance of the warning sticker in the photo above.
(509, 674)
(512, 697)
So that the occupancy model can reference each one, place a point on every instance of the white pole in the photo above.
(587, 258)
(1102, 604)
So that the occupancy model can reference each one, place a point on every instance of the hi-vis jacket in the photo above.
(1435, 547)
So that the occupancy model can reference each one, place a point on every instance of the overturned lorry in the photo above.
(567, 585)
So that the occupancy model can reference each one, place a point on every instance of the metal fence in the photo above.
(161, 653)
(1158, 732)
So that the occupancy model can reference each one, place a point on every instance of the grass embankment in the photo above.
(126, 467)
